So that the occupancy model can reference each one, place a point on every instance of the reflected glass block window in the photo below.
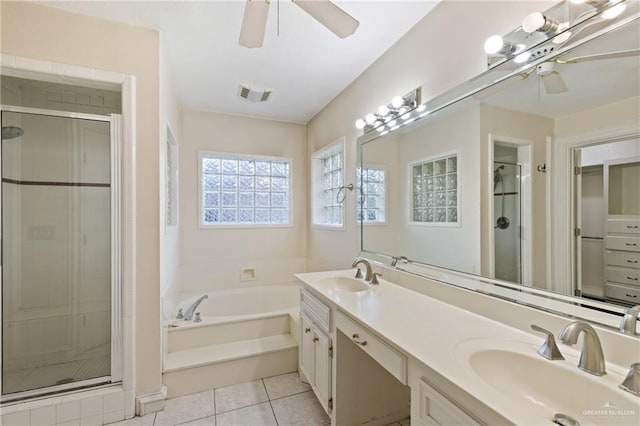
(332, 180)
(371, 196)
(244, 190)
(435, 191)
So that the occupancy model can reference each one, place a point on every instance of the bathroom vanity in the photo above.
(375, 354)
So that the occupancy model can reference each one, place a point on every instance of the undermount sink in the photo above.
(343, 283)
(550, 387)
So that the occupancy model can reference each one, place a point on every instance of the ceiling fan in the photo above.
(327, 13)
(552, 78)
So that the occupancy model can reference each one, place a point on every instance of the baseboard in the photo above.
(151, 402)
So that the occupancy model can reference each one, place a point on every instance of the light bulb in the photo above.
(405, 116)
(533, 22)
(397, 102)
(360, 123)
(522, 58)
(493, 44)
(392, 123)
(614, 12)
(383, 110)
(380, 129)
(370, 119)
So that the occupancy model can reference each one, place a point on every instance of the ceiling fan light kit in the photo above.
(256, 12)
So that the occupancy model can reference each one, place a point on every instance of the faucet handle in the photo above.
(358, 272)
(374, 279)
(549, 349)
(180, 314)
(631, 383)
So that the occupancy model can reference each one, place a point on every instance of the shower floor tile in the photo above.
(39, 377)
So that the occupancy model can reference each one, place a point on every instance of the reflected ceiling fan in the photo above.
(327, 13)
(552, 78)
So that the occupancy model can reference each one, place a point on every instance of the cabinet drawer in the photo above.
(623, 258)
(623, 226)
(392, 360)
(623, 243)
(317, 311)
(624, 275)
(436, 409)
(621, 292)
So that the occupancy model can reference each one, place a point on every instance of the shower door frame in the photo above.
(116, 238)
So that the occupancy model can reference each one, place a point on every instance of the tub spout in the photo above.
(188, 314)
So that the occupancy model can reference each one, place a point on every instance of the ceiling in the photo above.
(306, 65)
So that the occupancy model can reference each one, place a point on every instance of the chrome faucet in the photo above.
(188, 314)
(591, 357)
(630, 320)
(365, 262)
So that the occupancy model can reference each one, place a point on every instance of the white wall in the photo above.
(74, 39)
(212, 258)
(443, 50)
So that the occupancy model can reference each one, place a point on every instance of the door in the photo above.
(58, 273)
(307, 352)
(322, 373)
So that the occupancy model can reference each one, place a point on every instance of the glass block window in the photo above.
(371, 197)
(435, 191)
(327, 171)
(244, 190)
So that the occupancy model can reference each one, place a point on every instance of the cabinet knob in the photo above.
(355, 338)
(315, 339)
(307, 330)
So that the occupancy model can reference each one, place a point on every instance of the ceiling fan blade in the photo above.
(554, 83)
(254, 23)
(601, 56)
(331, 16)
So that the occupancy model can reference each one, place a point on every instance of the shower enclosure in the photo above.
(507, 221)
(61, 304)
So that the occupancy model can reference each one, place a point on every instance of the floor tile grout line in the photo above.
(242, 408)
(270, 405)
(293, 394)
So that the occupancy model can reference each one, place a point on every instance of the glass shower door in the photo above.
(507, 222)
(56, 251)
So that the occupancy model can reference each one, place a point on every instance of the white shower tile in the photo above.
(16, 419)
(91, 406)
(114, 402)
(44, 416)
(68, 411)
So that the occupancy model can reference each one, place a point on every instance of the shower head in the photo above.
(10, 132)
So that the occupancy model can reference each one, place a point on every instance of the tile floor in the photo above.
(279, 400)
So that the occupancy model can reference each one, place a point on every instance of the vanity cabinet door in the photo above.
(322, 373)
(436, 409)
(307, 350)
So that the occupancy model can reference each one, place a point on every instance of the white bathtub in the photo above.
(236, 304)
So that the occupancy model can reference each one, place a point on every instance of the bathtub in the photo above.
(237, 304)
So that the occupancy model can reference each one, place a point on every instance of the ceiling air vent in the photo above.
(253, 95)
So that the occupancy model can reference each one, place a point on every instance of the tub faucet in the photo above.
(630, 320)
(591, 357)
(188, 314)
(369, 273)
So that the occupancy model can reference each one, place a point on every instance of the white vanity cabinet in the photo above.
(622, 195)
(316, 349)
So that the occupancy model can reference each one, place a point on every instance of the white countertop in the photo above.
(435, 333)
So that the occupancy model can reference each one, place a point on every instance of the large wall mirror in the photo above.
(526, 175)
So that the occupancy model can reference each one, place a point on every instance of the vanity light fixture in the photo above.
(537, 22)
(496, 45)
(613, 12)
(387, 116)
